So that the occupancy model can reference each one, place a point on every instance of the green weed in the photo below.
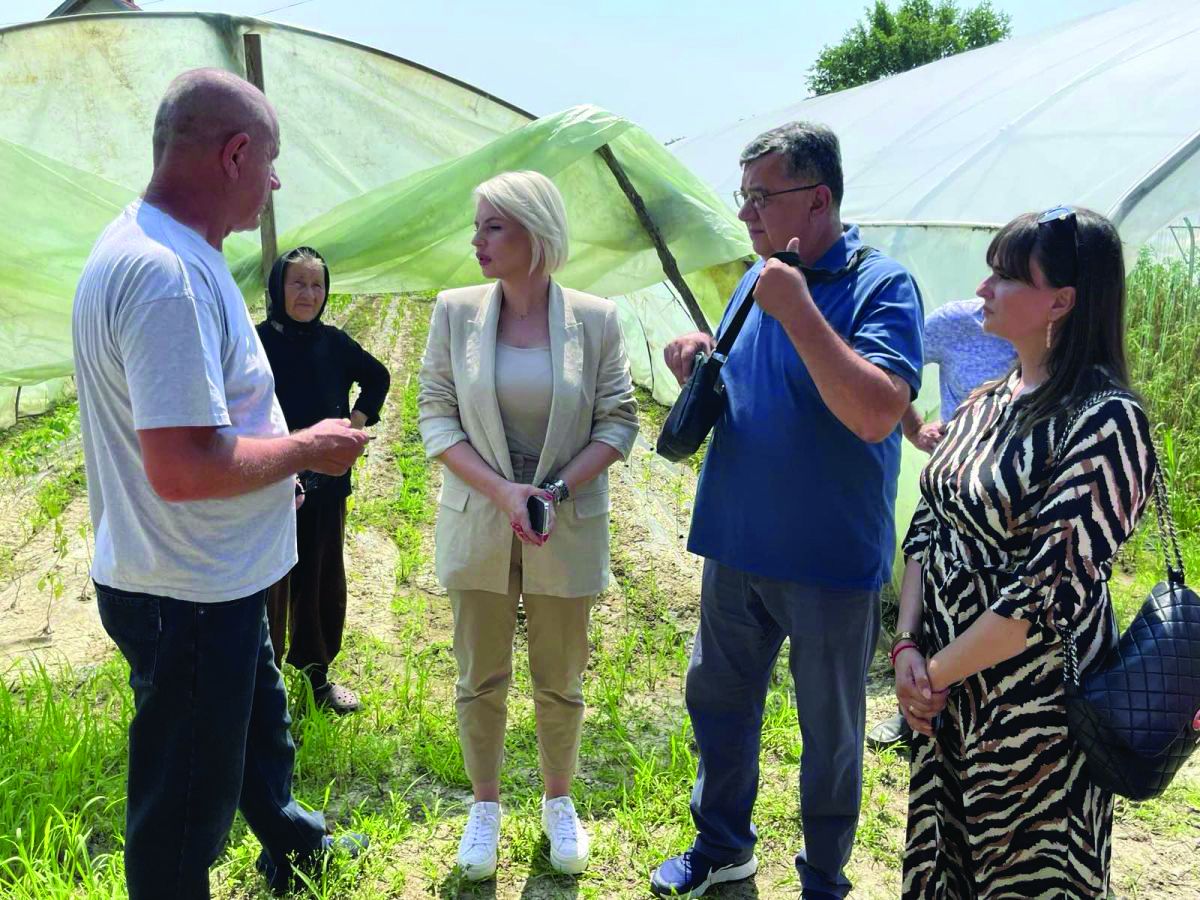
(27, 446)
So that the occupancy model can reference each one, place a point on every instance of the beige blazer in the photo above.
(593, 401)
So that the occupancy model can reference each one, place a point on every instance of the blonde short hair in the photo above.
(531, 200)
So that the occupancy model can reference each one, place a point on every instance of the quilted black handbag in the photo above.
(1136, 715)
(702, 399)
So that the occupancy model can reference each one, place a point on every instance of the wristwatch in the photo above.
(558, 488)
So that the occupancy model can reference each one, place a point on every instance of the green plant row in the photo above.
(404, 514)
(27, 446)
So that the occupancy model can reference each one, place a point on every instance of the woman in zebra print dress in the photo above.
(1007, 542)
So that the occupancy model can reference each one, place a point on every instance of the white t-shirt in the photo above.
(163, 339)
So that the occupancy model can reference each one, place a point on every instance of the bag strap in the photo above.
(1167, 532)
(812, 276)
(1168, 538)
(1090, 401)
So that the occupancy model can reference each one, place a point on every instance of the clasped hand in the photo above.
(514, 500)
(918, 701)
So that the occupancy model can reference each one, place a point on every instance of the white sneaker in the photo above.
(569, 844)
(477, 849)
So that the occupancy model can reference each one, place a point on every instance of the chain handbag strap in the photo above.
(1168, 535)
(1168, 538)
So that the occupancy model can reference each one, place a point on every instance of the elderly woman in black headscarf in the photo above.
(315, 366)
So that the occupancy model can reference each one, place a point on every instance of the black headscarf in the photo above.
(277, 310)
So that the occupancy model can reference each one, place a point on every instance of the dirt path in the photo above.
(63, 632)
(652, 508)
(371, 555)
(57, 632)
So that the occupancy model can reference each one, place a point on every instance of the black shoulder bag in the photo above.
(1136, 716)
(702, 400)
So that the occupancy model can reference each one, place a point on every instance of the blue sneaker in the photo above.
(692, 873)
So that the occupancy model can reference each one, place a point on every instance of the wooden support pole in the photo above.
(252, 44)
(670, 267)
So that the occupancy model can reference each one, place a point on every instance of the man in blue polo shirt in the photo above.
(794, 512)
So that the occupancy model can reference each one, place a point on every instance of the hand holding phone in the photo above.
(539, 514)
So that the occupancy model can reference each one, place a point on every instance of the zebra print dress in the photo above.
(999, 803)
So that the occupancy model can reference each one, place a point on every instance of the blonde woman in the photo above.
(525, 392)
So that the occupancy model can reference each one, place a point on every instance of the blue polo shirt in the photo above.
(787, 491)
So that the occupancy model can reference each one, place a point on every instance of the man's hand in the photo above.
(680, 354)
(929, 436)
(331, 446)
(782, 289)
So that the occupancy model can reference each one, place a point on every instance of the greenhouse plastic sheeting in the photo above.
(651, 316)
(379, 158)
(415, 233)
(1099, 112)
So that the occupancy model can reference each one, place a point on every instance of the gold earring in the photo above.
(1049, 334)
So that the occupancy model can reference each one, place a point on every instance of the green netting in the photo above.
(379, 158)
(414, 234)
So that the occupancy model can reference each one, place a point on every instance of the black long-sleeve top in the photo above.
(314, 372)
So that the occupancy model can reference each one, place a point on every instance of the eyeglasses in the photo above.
(1064, 216)
(758, 199)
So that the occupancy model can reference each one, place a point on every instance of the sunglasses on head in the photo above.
(1064, 217)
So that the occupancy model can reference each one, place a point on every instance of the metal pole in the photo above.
(1192, 249)
(252, 44)
(670, 267)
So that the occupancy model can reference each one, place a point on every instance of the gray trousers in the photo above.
(743, 621)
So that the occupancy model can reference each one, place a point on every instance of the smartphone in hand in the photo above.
(539, 514)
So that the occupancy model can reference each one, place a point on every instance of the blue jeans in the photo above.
(743, 621)
(210, 735)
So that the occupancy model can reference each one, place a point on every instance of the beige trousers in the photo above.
(484, 626)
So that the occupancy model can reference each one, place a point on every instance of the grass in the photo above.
(361, 317)
(395, 772)
(62, 750)
(335, 306)
(403, 515)
(1163, 320)
(653, 416)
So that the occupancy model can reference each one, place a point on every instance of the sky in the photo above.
(675, 67)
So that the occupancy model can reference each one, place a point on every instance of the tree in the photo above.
(918, 32)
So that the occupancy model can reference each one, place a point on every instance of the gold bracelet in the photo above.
(903, 636)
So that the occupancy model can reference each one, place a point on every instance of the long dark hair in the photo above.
(1092, 335)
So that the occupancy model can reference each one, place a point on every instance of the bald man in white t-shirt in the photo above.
(190, 472)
